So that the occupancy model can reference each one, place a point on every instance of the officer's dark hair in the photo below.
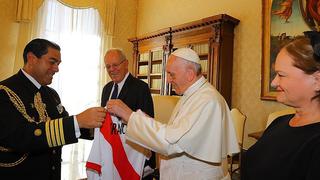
(38, 47)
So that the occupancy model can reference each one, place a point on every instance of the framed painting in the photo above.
(282, 22)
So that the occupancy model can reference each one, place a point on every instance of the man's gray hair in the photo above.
(197, 67)
(119, 51)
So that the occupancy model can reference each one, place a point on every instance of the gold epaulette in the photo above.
(14, 98)
(55, 133)
(18, 104)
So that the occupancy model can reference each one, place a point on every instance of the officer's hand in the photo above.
(92, 117)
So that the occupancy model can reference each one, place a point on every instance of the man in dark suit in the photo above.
(132, 91)
(33, 123)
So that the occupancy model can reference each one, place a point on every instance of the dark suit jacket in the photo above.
(40, 142)
(135, 94)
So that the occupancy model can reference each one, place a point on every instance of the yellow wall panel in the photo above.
(8, 37)
(125, 27)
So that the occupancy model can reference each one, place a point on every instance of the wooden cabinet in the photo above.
(212, 38)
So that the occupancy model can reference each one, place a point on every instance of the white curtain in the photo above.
(79, 34)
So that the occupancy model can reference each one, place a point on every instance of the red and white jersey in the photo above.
(112, 157)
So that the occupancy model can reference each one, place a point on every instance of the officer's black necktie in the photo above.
(115, 92)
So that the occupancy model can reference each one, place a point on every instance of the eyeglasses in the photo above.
(108, 66)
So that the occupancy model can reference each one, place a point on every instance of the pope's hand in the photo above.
(117, 107)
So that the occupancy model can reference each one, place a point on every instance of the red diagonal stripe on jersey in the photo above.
(120, 159)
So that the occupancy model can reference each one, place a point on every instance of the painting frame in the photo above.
(282, 22)
(266, 93)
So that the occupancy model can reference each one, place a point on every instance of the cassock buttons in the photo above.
(53, 168)
(54, 152)
(37, 132)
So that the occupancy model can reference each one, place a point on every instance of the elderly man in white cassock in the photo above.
(200, 133)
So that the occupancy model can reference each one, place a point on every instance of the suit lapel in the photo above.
(108, 91)
(125, 88)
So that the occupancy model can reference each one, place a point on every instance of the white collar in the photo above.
(35, 82)
(195, 86)
(123, 80)
(120, 84)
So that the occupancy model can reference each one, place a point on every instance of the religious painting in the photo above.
(283, 21)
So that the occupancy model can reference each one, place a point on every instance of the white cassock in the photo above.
(112, 157)
(198, 137)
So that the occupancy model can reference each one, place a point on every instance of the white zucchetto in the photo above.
(187, 54)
